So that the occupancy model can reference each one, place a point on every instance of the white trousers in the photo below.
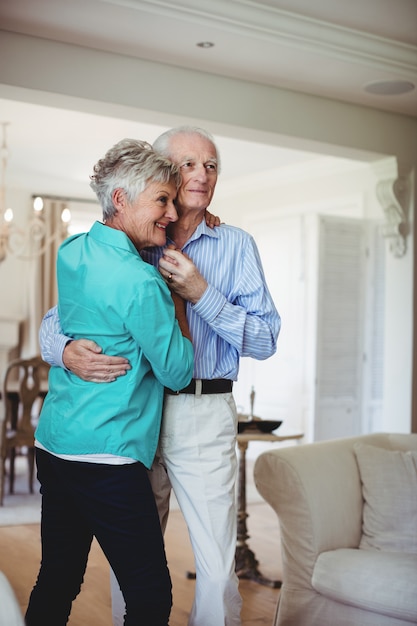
(197, 453)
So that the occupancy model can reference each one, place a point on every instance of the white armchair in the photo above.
(341, 566)
(10, 613)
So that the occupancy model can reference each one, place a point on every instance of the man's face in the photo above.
(197, 159)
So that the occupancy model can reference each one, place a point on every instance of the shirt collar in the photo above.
(112, 236)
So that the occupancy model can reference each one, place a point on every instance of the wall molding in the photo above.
(394, 196)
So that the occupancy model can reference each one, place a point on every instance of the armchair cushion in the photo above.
(389, 488)
(370, 580)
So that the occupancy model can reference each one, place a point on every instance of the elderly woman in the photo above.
(95, 442)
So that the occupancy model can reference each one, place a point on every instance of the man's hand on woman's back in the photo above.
(85, 359)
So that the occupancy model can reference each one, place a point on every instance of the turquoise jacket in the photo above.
(109, 294)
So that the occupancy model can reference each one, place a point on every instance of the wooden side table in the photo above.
(246, 563)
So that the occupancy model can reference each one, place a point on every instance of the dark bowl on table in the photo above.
(258, 425)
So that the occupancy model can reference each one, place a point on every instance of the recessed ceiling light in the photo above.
(205, 44)
(389, 87)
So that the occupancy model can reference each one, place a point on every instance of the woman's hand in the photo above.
(212, 220)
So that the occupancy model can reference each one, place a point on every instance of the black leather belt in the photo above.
(217, 385)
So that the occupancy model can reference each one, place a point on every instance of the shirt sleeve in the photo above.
(151, 322)
(51, 339)
(249, 320)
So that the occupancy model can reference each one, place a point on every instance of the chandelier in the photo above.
(35, 238)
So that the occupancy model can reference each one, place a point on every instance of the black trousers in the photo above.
(115, 504)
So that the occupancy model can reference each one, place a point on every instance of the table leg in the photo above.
(246, 563)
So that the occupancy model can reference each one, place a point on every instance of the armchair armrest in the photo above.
(315, 490)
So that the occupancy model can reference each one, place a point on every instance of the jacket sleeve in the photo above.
(151, 321)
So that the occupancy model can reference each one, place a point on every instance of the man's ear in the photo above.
(119, 198)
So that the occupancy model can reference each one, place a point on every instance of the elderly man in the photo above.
(230, 314)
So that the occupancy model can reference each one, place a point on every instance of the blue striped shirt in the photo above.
(235, 316)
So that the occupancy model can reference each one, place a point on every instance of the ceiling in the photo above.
(330, 48)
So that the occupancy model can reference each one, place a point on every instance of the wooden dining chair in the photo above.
(24, 387)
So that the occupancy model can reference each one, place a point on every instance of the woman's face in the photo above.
(145, 220)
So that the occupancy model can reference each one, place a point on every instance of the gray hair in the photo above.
(161, 143)
(130, 165)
